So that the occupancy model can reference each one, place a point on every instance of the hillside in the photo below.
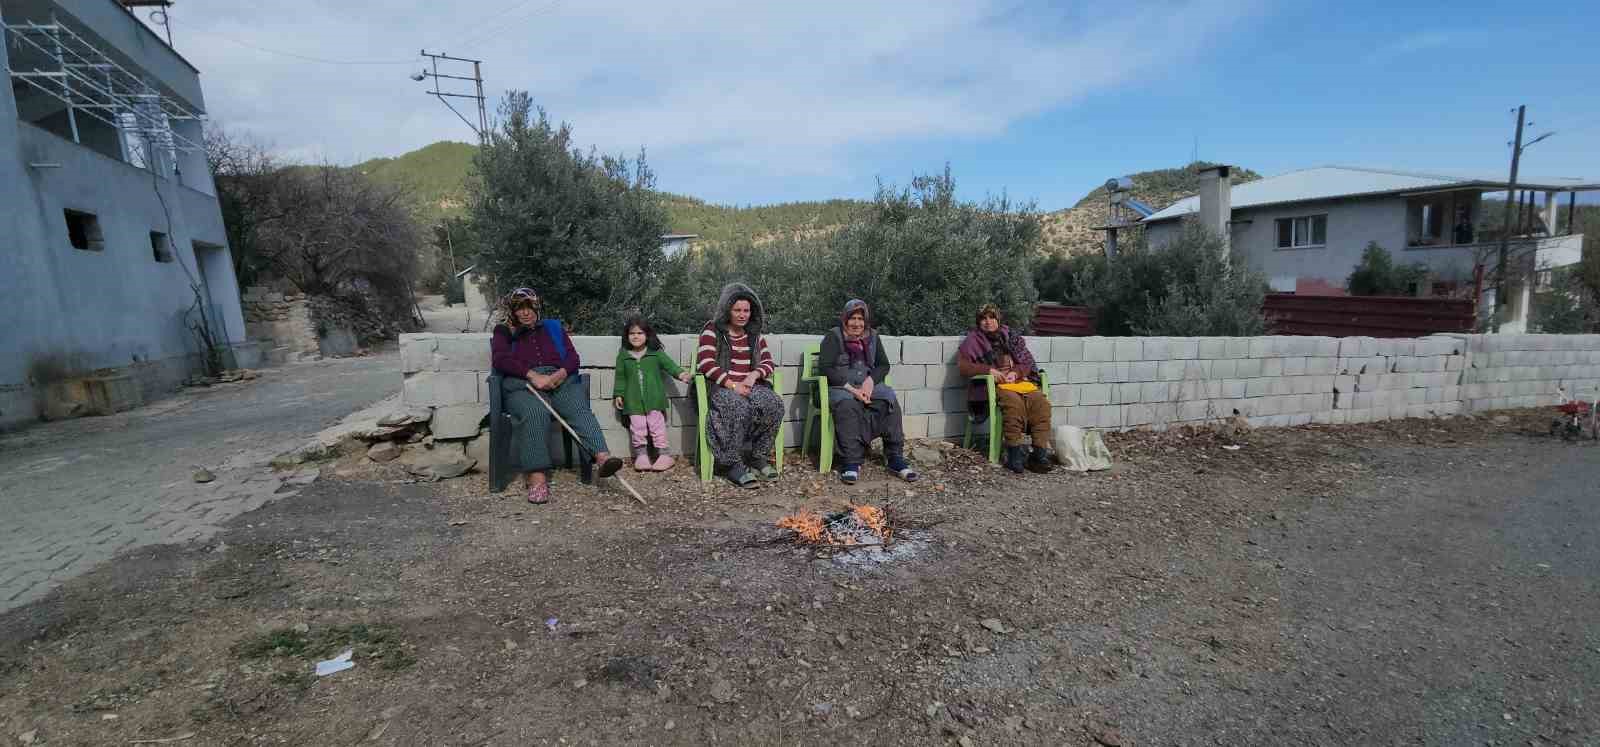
(1071, 231)
(436, 175)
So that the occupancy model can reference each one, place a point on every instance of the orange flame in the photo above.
(811, 528)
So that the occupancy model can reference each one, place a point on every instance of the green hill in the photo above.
(436, 176)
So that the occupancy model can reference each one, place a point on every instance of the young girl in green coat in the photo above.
(639, 392)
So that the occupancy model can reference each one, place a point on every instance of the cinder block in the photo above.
(1144, 371)
(1224, 368)
(1170, 370)
(1127, 393)
(1066, 349)
(795, 346)
(1098, 349)
(1083, 417)
(602, 383)
(1056, 372)
(940, 376)
(434, 389)
(1294, 366)
(1260, 387)
(1128, 348)
(1271, 367)
(1063, 395)
(681, 413)
(596, 350)
(1324, 347)
(914, 426)
(908, 377)
(1184, 348)
(1083, 373)
(1214, 348)
(1234, 388)
(462, 352)
(922, 401)
(1114, 373)
(416, 351)
(1262, 347)
(1108, 416)
(923, 350)
(951, 400)
(458, 421)
(1247, 368)
(1236, 347)
(1135, 415)
(1194, 410)
(1157, 348)
(1039, 347)
(891, 348)
(951, 347)
(1094, 394)
(1322, 366)
(1153, 391)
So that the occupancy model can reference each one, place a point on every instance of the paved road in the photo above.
(76, 492)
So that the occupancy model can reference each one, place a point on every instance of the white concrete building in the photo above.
(1305, 230)
(110, 217)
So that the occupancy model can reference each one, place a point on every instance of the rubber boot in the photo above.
(1041, 460)
(1015, 457)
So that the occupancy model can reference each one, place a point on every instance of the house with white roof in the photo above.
(1305, 230)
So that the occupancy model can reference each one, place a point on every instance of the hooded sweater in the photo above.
(722, 354)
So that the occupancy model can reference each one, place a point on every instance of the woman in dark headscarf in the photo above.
(530, 351)
(992, 348)
(864, 408)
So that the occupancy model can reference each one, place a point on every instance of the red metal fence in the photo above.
(1055, 320)
(1366, 316)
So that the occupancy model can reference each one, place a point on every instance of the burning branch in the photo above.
(860, 525)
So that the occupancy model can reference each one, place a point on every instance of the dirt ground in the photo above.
(1419, 582)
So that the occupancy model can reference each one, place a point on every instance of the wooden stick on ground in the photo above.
(579, 439)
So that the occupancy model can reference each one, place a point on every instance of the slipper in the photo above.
(609, 468)
(539, 494)
(903, 469)
(768, 472)
(741, 477)
(850, 474)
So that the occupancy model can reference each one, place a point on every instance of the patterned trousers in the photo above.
(530, 422)
(736, 424)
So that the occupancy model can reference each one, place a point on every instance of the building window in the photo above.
(160, 247)
(83, 230)
(1295, 233)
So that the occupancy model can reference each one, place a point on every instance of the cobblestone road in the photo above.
(74, 493)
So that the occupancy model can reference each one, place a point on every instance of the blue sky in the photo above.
(743, 102)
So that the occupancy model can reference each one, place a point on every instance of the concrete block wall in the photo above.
(1113, 383)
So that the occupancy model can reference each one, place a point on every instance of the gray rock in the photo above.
(478, 449)
(443, 470)
(926, 456)
(203, 475)
(408, 416)
(383, 451)
(381, 433)
(722, 691)
(458, 421)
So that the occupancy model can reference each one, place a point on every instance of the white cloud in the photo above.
(1424, 41)
(754, 89)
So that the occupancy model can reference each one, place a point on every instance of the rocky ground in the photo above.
(1421, 582)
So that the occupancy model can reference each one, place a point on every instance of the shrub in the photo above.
(1185, 288)
(1377, 274)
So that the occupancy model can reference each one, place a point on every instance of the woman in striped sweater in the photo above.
(744, 413)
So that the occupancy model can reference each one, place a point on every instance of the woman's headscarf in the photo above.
(517, 299)
(855, 348)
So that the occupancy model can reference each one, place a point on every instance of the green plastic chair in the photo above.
(817, 409)
(995, 437)
(701, 402)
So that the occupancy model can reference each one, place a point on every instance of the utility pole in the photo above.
(482, 126)
(1505, 234)
(1517, 147)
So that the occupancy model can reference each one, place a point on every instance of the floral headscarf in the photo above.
(515, 299)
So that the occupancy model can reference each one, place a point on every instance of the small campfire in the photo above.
(858, 526)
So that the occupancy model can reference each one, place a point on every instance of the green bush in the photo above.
(1185, 288)
(1377, 274)
(1059, 278)
(922, 259)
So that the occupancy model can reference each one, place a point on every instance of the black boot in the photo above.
(1041, 460)
(1016, 456)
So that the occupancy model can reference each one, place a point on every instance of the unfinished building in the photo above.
(115, 255)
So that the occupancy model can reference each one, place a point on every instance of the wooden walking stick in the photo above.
(579, 439)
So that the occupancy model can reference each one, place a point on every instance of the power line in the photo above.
(459, 40)
(308, 58)
(500, 28)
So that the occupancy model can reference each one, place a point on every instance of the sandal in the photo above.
(903, 469)
(539, 494)
(850, 474)
(741, 477)
(768, 472)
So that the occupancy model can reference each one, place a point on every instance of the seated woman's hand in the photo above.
(685, 377)
(743, 388)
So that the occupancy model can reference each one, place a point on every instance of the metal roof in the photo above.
(1336, 182)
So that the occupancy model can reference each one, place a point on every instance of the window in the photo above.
(160, 247)
(1310, 230)
(83, 230)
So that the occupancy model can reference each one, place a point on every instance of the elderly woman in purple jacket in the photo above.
(530, 351)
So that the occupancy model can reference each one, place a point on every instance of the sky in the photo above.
(742, 102)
